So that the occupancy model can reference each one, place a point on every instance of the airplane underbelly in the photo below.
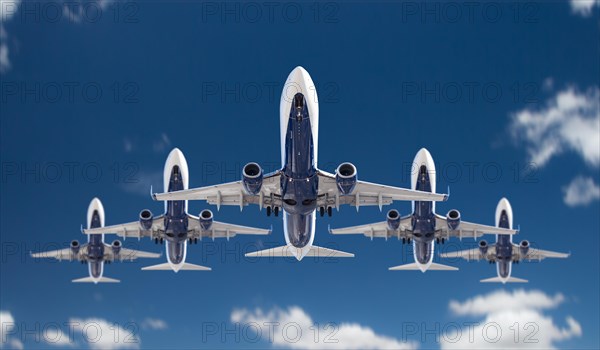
(299, 229)
(175, 252)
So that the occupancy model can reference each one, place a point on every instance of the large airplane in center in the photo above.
(504, 252)
(423, 226)
(95, 253)
(176, 226)
(300, 188)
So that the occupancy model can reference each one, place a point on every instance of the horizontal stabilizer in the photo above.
(299, 253)
(504, 280)
(96, 280)
(423, 268)
(167, 267)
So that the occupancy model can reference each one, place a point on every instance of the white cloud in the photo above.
(141, 182)
(294, 328)
(154, 324)
(569, 121)
(8, 325)
(101, 334)
(511, 321)
(162, 143)
(583, 7)
(53, 335)
(8, 8)
(581, 191)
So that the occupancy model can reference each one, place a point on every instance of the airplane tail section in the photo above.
(504, 280)
(299, 253)
(176, 268)
(423, 268)
(95, 280)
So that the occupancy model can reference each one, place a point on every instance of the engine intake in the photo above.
(483, 247)
(453, 219)
(206, 219)
(252, 178)
(393, 219)
(116, 247)
(524, 247)
(345, 177)
(75, 246)
(146, 219)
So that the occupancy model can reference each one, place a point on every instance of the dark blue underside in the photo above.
(423, 220)
(503, 248)
(176, 220)
(95, 253)
(299, 183)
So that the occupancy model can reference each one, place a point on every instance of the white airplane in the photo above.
(299, 188)
(176, 226)
(423, 226)
(95, 253)
(504, 252)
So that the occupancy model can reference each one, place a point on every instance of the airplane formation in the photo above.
(300, 192)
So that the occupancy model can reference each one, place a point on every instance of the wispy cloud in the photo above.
(8, 8)
(143, 182)
(162, 144)
(581, 191)
(569, 121)
(502, 312)
(7, 325)
(345, 335)
(584, 7)
(154, 324)
(101, 334)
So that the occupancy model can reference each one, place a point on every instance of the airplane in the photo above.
(95, 253)
(423, 226)
(299, 188)
(504, 252)
(176, 227)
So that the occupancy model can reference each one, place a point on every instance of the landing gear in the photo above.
(268, 211)
(195, 240)
(329, 211)
(443, 240)
(403, 240)
(437, 241)
(156, 241)
(161, 241)
(276, 211)
(322, 211)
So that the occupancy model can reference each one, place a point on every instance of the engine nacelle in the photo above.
(75, 247)
(453, 219)
(146, 219)
(393, 219)
(116, 247)
(206, 219)
(345, 178)
(524, 247)
(483, 247)
(252, 178)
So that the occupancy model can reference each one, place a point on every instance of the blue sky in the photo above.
(504, 96)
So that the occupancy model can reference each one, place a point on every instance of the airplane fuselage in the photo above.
(95, 246)
(299, 183)
(176, 220)
(504, 247)
(423, 220)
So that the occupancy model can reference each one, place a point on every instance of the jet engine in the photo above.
(524, 247)
(116, 247)
(206, 219)
(75, 247)
(146, 219)
(483, 247)
(393, 219)
(453, 219)
(345, 177)
(252, 178)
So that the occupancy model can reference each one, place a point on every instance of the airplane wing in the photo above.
(471, 254)
(367, 193)
(467, 229)
(62, 254)
(221, 229)
(535, 254)
(127, 254)
(130, 229)
(231, 193)
(378, 230)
